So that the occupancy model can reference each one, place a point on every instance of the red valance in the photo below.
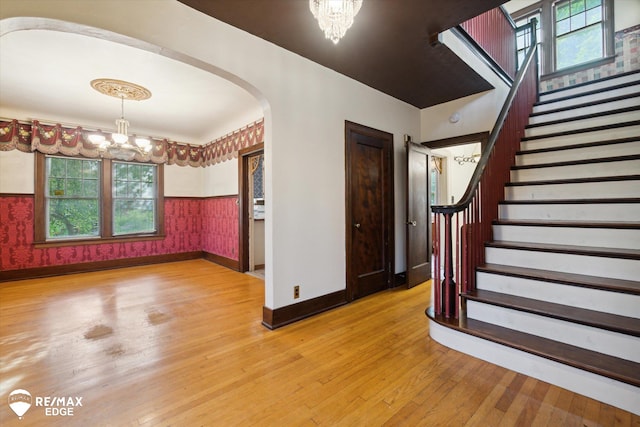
(57, 139)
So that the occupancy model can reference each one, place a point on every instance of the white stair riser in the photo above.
(572, 212)
(566, 103)
(617, 268)
(616, 393)
(601, 169)
(598, 237)
(597, 85)
(583, 123)
(582, 138)
(595, 339)
(583, 190)
(575, 296)
(586, 153)
(582, 111)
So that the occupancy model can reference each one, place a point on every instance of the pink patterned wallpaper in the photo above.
(220, 226)
(190, 225)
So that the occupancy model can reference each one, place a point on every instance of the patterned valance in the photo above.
(57, 139)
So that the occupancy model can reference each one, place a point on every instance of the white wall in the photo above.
(17, 172)
(457, 175)
(183, 181)
(305, 106)
(477, 113)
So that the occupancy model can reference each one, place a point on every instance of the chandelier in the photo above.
(120, 144)
(335, 17)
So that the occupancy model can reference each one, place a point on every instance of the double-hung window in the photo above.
(572, 34)
(80, 199)
(578, 32)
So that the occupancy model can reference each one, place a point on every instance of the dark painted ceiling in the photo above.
(387, 47)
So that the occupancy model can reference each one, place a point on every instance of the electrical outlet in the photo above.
(296, 291)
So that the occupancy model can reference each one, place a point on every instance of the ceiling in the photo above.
(45, 75)
(387, 47)
(52, 84)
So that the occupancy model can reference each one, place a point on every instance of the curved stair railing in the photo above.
(462, 229)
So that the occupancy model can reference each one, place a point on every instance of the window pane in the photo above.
(91, 188)
(577, 21)
(594, 15)
(73, 198)
(593, 3)
(74, 188)
(562, 11)
(577, 6)
(73, 218)
(91, 170)
(578, 47)
(134, 200)
(563, 27)
(147, 191)
(133, 216)
(120, 171)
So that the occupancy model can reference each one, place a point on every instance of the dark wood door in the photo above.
(418, 217)
(369, 188)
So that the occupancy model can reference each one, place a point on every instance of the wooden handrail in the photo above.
(493, 137)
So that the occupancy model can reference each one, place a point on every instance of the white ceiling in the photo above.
(45, 75)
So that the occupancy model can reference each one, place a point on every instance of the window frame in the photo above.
(106, 206)
(546, 8)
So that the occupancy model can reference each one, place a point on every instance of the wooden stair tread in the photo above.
(575, 180)
(583, 117)
(578, 146)
(589, 104)
(601, 364)
(570, 201)
(630, 225)
(583, 130)
(568, 249)
(597, 319)
(582, 280)
(586, 84)
(594, 160)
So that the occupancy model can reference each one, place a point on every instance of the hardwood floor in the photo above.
(181, 344)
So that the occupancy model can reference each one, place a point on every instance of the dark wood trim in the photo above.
(97, 241)
(622, 253)
(17, 195)
(276, 318)
(400, 279)
(481, 137)
(243, 210)
(259, 266)
(40, 234)
(58, 270)
(221, 260)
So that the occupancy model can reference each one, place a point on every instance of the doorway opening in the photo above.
(251, 199)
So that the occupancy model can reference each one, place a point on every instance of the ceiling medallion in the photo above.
(121, 89)
(119, 144)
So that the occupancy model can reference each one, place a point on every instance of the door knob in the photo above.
(357, 225)
(411, 223)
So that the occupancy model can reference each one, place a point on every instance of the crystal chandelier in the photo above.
(120, 145)
(335, 17)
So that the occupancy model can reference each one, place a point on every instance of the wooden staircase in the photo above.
(560, 290)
